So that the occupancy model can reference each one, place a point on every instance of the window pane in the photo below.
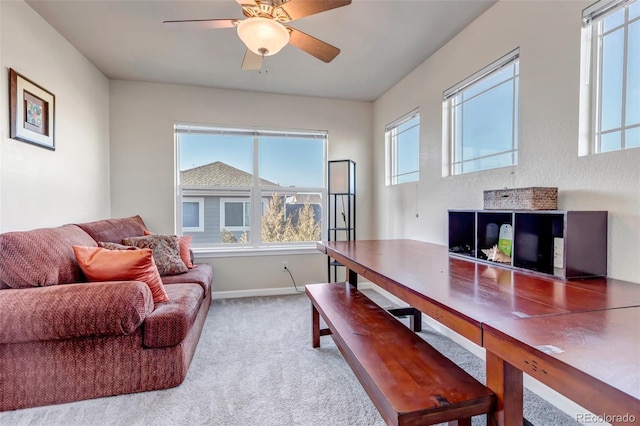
(610, 142)
(614, 20)
(487, 163)
(190, 214)
(233, 214)
(489, 81)
(633, 74)
(632, 138)
(488, 123)
(457, 147)
(215, 160)
(485, 120)
(291, 162)
(409, 177)
(291, 217)
(612, 62)
(408, 150)
(247, 214)
(404, 158)
(409, 124)
(634, 10)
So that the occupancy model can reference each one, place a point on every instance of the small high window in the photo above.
(610, 106)
(402, 138)
(481, 118)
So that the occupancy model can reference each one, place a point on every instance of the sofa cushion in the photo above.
(41, 257)
(73, 310)
(114, 229)
(170, 322)
(100, 264)
(201, 274)
(166, 252)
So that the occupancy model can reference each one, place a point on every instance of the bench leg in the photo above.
(415, 317)
(315, 327)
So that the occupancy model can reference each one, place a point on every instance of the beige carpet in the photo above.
(255, 365)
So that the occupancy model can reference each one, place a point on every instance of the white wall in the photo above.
(39, 187)
(548, 34)
(143, 161)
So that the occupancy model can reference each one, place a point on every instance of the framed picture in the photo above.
(32, 110)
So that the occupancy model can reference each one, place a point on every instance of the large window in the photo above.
(223, 174)
(610, 116)
(402, 138)
(481, 118)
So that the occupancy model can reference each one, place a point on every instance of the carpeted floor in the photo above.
(255, 365)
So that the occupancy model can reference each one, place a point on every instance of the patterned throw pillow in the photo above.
(166, 252)
(184, 244)
(115, 246)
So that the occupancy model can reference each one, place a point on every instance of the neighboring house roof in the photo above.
(304, 199)
(219, 174)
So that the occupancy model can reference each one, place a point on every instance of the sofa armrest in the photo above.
(73, 310)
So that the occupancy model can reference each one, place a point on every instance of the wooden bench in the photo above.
(409, 382)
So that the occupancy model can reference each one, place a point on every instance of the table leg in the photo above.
(353, 278)
(506, 382)
(315, 327)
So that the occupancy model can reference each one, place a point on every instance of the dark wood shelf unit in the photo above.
(566, 244)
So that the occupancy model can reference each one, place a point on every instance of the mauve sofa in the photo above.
(64, 339)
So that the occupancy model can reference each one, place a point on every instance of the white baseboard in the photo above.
(256, 292)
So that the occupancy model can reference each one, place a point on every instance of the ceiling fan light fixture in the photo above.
(263, 36)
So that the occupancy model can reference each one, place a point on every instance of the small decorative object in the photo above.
(32, 112)
(534, 198)
(495, 255)
(504, 240)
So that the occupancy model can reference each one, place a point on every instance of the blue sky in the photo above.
(285, 161)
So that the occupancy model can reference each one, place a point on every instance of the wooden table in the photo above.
(466, 295)
(593, 358)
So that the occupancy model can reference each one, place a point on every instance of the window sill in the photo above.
(213, 252)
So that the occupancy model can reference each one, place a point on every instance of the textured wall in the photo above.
(548, 34)
(39, 187)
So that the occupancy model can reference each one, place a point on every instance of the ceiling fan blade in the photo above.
(249, 7)
(297, 9)
(318, 48)
(247, 3)
(251, 61)
(202, 24)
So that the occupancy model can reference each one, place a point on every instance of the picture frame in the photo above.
(32, 112)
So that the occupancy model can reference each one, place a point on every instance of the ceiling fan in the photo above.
(264, 31)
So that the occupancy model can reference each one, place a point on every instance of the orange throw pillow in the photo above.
(100, 264)
(184, 244)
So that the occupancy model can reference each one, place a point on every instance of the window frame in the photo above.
(245, 202)
(591, 95)
(200, 201)
(392, 143)
(449, 120)
(254, 193)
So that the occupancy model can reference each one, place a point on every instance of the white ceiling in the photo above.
(381, 41)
